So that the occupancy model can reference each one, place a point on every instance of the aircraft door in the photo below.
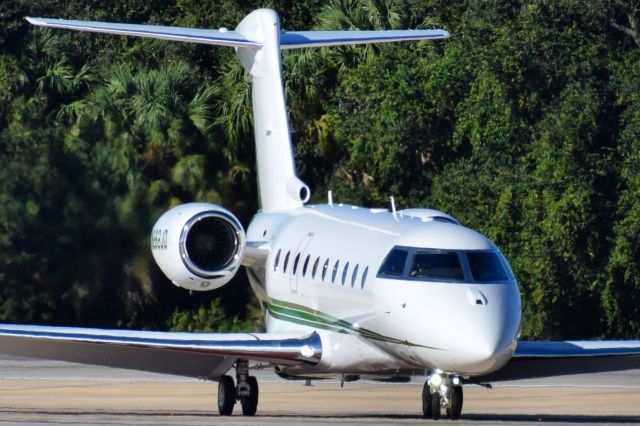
(298, 261)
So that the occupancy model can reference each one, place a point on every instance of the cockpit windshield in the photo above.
(395, 262)
(423, 264)
(439, 265)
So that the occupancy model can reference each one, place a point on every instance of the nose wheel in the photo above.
(455, 403)
(442, 391)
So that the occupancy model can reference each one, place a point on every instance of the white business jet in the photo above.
(347, 291)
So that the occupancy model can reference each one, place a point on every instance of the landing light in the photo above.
(436, 379)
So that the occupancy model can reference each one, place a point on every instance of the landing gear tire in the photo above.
(435, 406)
(226, 395)
(250, 403)
(426, 400)
(455, 407)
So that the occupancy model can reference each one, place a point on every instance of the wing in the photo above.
(545, 359)
(202, 355)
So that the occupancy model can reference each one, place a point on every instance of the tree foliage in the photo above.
(524, 125)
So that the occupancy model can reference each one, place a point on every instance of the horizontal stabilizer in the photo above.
(224, 37)
(296, 39)
(220, 37)
(205, 355)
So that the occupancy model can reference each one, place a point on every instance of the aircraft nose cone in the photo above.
(488, 337)
(485, 352)
(484, 349)
(465, 336)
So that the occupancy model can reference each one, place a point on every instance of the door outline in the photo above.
(301, 250)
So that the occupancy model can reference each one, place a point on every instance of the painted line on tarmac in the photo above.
(585, 386)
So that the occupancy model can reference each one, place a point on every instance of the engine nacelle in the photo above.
(198, 246)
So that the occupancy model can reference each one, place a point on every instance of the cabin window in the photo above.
(325, 268)
(354, 275)
(486, 266)
(394, 262)
(304, 267)
(295, 263)
(315, 268)
(437, 265)
(335, 271)
(364, 277)
(275, 263)
(344, 273)
(286, 262)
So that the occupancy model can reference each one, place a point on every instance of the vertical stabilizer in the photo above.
(280, 189)
(258, 41)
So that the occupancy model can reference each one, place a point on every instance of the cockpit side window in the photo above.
(394, 263)
(486, 266)
(437, 265)
(506, 266)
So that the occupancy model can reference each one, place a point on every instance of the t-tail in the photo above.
(258, 41)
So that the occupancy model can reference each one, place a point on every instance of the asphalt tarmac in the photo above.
(36, 392)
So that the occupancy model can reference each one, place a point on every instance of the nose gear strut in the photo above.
(442, 391)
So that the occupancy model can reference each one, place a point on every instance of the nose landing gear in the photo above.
(442, 391)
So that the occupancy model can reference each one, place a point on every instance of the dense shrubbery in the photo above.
(524, 125)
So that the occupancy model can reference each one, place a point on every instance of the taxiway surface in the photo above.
(36, 392)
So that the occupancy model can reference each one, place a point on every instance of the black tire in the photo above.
(226, 395)
(456, 403)
(426, 400)
(435, 406)
(250, 403)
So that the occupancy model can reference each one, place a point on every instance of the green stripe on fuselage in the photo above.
(302, 315)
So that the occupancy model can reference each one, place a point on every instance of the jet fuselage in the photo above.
(413, 289)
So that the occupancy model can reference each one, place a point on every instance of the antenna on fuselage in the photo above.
(330, 198)
(393, 207)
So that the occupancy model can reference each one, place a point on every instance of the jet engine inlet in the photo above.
(198, 246)
(208, 243)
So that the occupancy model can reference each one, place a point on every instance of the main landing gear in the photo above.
(442, 391)
(246, 392)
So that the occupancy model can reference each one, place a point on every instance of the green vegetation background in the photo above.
(525, 125)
